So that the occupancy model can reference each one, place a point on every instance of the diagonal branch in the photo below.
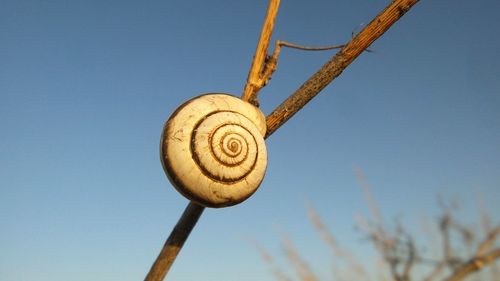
(489, 241)
(301, 267)
(174, 243)
(268, 259)
(338, 63)
(473, 265)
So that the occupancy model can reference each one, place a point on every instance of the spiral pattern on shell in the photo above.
(213, 149)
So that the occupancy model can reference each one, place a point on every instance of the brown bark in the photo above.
(338, 63)
(256, 78)
(175, 242)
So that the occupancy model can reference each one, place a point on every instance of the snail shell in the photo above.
(213, 149)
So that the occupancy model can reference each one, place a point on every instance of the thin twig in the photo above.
(301, 267)
(326, 235)
(271, 63)
(175, 241)
(255, 81)
(370, 199)
(487, 228)
(268, 259)
(308, 48)
(450, 260)
(410, 261)
(340, 253)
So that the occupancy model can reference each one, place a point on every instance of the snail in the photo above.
(213, 150)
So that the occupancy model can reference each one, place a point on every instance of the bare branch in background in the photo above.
(370, 199)
(327, 236)
(269, 260)
(473, 265)
(299, 265)
(486, 226)
(488, 242)
(354, 267)
(399, 250)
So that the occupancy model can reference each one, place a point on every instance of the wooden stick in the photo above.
(254, 80)
(285, 111)
(174, 243)
(338, 63)
(193, 211)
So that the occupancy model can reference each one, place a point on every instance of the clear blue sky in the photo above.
(85, 87)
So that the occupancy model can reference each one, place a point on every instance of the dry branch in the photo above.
(270, 64)
(489, 241)
(286, 110)
(399, 251)
(174, 243)
(256, 75)
(338, 63)
(338, 252)
(301, 267)
(473, 265)
(268, 259)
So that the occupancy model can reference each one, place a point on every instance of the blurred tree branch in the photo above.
(399, 249)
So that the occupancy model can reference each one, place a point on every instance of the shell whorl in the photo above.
(213, 149)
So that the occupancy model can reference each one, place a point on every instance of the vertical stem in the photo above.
(254, 80)
(174, 243)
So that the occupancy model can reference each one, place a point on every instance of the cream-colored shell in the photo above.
(213, 149)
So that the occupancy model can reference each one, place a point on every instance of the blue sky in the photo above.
(85, 87)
